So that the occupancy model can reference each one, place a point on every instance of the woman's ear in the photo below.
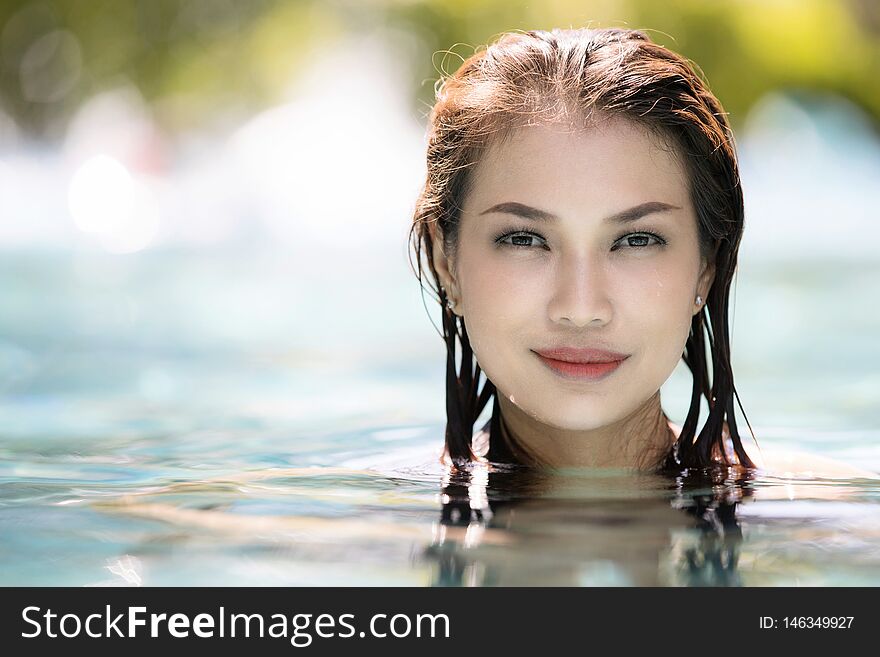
(445, 266)
(704, 283)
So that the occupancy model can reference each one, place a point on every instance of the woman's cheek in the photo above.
(496, 310)
(501, 288)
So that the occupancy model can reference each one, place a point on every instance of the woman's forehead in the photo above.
(609, 160)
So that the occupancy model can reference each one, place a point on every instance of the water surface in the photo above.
(375, 507)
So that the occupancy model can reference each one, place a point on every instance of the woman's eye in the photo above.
(640, 240)
(520, 240)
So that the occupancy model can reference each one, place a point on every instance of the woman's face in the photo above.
(583, 239)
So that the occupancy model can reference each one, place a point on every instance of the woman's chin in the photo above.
(579, 421)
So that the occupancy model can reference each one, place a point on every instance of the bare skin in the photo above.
(607, 256)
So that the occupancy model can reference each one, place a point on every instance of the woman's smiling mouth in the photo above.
(581, 364)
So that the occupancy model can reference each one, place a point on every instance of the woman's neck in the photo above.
(640, 441)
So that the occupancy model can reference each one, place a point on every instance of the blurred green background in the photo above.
(197, 60)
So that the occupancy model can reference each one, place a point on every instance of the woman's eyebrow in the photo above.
(624, 216)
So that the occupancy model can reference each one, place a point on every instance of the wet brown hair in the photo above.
(543, 77)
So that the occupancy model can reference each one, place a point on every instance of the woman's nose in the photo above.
(580, 294)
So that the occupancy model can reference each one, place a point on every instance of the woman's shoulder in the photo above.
(788, 463)
(779, 462)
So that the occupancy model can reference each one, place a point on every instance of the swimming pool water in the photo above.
(374, 507)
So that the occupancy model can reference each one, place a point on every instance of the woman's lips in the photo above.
(581, 371)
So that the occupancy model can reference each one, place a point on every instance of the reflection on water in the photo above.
(376, 508)
(605, 529)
